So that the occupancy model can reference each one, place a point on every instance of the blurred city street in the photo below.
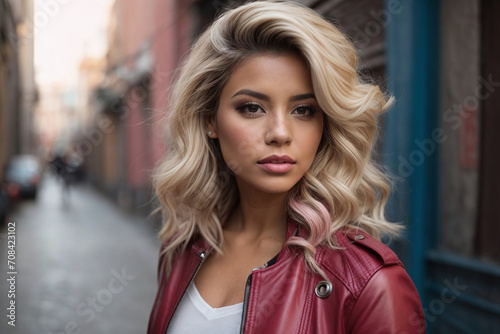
(82, 265)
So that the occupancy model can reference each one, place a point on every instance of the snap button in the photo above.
(359, 237)
(323, 289)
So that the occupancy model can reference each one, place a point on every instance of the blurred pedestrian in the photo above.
(66, 165)
(58, 164)
(273, 208)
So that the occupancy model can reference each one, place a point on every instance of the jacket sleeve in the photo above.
(388, 304)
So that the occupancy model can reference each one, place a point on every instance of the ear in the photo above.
(211, 128)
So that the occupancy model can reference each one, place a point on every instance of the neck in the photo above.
(260, 216)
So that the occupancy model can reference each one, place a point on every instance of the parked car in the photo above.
(23, 175)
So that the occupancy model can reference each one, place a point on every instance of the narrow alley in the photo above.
(81, 265)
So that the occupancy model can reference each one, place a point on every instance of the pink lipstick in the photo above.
(278, 164)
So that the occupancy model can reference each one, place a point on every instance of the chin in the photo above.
(277, 191)
(267, 185)
(276, 188)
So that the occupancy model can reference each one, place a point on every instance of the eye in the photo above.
(249, 109)
(305, 110)
(253, 108)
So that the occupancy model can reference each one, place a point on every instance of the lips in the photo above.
(277, 164)
(277, 159)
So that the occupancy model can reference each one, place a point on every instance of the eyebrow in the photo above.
(267, 98)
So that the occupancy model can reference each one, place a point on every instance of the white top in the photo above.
(194, 315)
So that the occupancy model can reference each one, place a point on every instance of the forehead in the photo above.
(288, 70)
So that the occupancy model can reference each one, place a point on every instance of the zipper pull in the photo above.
(261, 267)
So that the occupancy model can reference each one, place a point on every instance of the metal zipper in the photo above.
(202, 255)
(245, 300)
(245, 303)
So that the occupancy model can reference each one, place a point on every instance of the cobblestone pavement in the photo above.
(82, 267)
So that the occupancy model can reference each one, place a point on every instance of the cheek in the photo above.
(237, 142)
(318, 133)
(310, 139)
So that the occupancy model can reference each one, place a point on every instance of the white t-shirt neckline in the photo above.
(194, 315)
(208, 311)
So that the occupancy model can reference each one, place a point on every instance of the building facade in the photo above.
(18, 93)
(146, 42)
(10, 89)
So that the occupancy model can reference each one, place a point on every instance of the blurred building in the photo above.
(29, 91)
(146, 41)
(90, 76)
(18, 94)
(52, 117)
(439, 60)
(70, 64)
(9, 80)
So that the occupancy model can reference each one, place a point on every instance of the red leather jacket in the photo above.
(370, 291)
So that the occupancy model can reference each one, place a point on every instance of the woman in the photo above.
(273, 208)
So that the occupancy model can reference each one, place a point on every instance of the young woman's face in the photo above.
(269, 124)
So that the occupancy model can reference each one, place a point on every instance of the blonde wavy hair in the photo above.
(344, 186)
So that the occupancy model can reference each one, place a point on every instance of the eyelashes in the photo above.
(245, 107)
(311, 107)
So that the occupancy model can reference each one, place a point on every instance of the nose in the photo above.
(278, 129)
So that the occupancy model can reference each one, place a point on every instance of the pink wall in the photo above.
(135, 24)
(167, 23)
(173, 20)
(163, 51)
(136, 143)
